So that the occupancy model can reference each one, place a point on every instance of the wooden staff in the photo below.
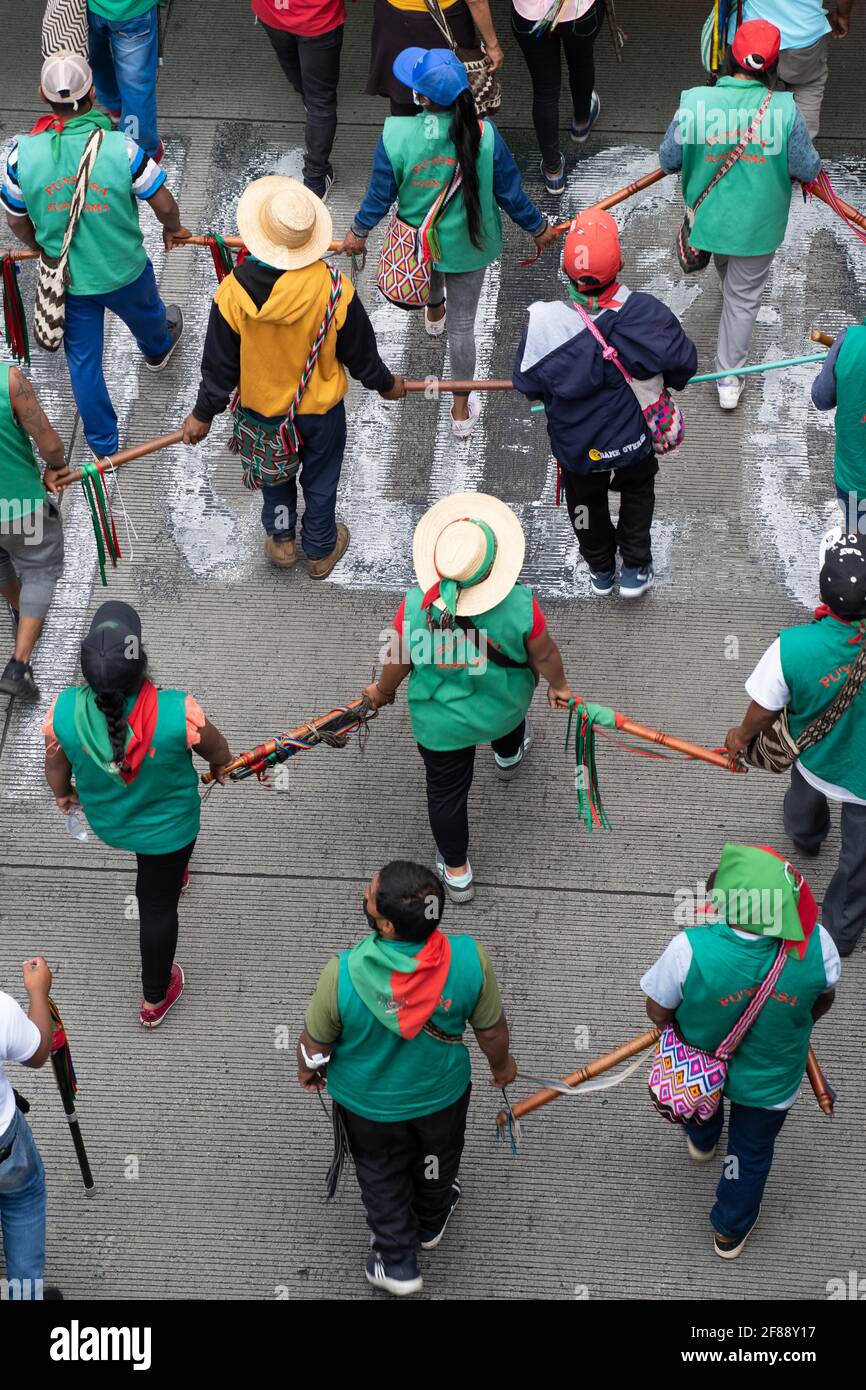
(824, 1093)
(434, 384)
(234, 242)
(678, 745)
(818, 337)
(856, 217)
(646, 181)
(266, 749)
(138, 451)
(577, 1078)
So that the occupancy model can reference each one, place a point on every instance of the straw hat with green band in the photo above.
(759, 891)
(468, 552)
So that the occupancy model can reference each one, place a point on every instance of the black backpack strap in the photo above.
(493, 653)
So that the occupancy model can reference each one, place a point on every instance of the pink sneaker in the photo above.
(184, 883)
(152, 1018)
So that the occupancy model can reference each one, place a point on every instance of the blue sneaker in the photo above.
(601, 581)
(633, 581)
(580, 133)
(398, 1279)
(555, 183)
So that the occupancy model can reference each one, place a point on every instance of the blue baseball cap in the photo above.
(434, 72)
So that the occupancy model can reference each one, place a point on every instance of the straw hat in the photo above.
(450, 543)
(284, 224)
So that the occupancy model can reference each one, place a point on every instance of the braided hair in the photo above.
(466, 134)
(111, 703)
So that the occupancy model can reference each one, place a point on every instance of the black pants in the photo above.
(586, 496)
(403, 1189)
(157, 888)
(449, 777)
(312, 65)
(544, 60)
(807, 820)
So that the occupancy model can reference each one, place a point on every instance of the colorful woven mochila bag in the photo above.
(270, 452)
(664, 419)
(407, 255)
(686, 1084)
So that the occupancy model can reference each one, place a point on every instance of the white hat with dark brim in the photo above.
(66, 78)
(452, 542)
(283, 224)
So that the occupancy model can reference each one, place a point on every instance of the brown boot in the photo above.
(283, 554)
(320, 569)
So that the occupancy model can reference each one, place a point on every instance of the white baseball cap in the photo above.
(66, 78)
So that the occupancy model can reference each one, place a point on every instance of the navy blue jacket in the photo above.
(593, 417)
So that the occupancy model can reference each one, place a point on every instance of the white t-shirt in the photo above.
(767, 686)
(664, 981)
(19, 1039)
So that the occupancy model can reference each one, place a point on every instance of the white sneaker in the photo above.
(506, 768)
(459, 887)
(700, 1155)
(731, 389)
(434, 327)
(463, 428)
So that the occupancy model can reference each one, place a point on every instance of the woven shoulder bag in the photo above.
(52, 275)
(776, 749)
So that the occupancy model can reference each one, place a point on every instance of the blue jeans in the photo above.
(140, 307)
(752, 1134)
(324, 441)
(124, 56)
(853, 510)
(22, 1206)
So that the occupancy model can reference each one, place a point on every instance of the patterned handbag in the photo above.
(483, 82)
(663, 416)
(52, 275)
(406, 258)
(690, 257)
(685, 1083)
(64, 26)
(776, 749)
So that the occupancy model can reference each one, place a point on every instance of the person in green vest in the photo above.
(841, 385)
(108, 265)
(702, 984)
(31, 531)
(118, 752)
(386, 1021)
(802, 672)
(743, 219)
(415, 161)
(473, 642)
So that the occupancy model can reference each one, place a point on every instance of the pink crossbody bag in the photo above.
(662, 414)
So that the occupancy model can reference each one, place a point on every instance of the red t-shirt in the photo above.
(539, 622)
(305, 17)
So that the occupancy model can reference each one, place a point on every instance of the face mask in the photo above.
(371, 920)
(416, 97)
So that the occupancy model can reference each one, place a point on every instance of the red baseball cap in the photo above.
(592, 255)
(756, 45)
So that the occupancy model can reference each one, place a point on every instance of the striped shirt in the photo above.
(146, 177)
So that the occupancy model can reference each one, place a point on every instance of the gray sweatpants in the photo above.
(743, 279)
(461, 291)
(32, 550)
(803, 71)
(807, 820)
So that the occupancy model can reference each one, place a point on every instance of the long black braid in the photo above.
(111, 703)
(466, 134)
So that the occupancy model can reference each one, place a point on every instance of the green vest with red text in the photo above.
(107, 248)
(849, 370)
(160, 810)
(457, 696)
(816, 661)
(724, 974)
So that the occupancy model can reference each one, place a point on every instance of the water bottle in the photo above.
(76, 824)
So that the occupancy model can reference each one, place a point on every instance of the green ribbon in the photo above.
(450, 589)
(90, 480)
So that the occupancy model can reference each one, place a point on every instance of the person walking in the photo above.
(265, 318)
(414, 161)
(307, 37)
(805, 27)
(108, 265)
(572, 35)
(384, 1031)
(702, 984)
(744, 216)
(402, 24)
(118, 751)
(597, 428)
(841, 386)
(123, 42)
(802, 672)
(473, 643)
(31, 530)
(24, 1038)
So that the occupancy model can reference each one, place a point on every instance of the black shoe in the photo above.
(17, 679)
(808, 851)
(731, 1247)
(174, 317)
(428, 1240)
(51, 1294)
(321, 187)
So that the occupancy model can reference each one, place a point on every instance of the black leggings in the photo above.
(544, 60)
(157, 887)
(449, 777)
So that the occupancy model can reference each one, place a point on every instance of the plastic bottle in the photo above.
(76, 824)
